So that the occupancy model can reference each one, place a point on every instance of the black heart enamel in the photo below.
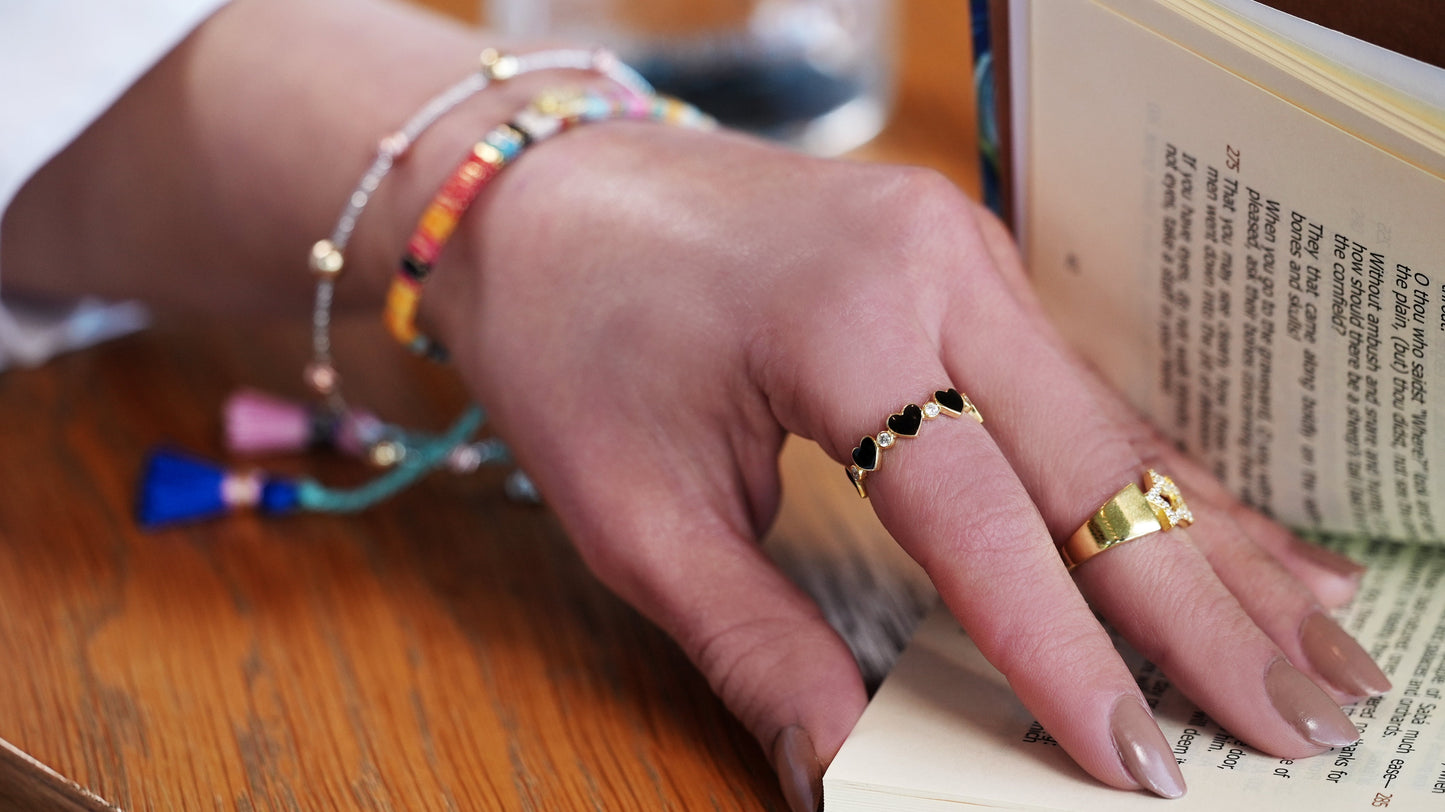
(906, 423)
(950, 400)
(866, 454)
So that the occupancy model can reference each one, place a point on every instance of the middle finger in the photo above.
(1162, 594)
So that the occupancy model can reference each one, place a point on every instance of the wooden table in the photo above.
(447, 650)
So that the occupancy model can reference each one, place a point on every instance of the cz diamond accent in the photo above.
(885, 439)
(1166, 499)
(930, 409)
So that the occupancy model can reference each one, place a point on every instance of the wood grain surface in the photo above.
(447, 650)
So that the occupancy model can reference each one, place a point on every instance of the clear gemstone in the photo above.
(930, 409)
(1165, 496)
(885, 439)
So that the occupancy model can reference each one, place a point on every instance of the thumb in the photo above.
(762, 644)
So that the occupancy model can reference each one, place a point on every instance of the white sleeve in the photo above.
(65, 62)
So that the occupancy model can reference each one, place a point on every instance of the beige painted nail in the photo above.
(799, 770)
(1339, 659)
(1143, 749)
(1338, 563)
(1306, 707)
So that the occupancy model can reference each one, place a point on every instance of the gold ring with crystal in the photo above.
(1131, 514)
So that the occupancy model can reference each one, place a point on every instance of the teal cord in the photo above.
(422, 457)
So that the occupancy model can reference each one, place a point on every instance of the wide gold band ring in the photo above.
(1131, 514)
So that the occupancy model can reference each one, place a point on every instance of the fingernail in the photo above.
(1339, 659)
(799, 771)
(1341, 565)
(1142, 748)
(1307, 708)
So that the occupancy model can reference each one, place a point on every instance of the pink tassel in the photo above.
(259, 423)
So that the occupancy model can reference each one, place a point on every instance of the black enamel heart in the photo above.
(951, 401)
(865, 456)
(906, 423)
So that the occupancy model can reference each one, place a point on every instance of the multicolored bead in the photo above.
(550, 113)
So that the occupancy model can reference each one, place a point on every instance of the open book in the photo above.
(1259, 223)
(1239, 217)
(945, 731)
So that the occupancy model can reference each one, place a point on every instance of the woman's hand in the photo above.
(646, 312)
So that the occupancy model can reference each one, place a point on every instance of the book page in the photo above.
(1391, 101)
(1410, 77)
(945, 730)
(1266, 286)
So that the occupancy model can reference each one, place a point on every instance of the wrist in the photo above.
(429, 161)
(462, 200)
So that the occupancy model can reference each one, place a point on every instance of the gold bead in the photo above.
(326, 260)
(395, 144)
(498, 66)
(387, 453)
(560, 102)
(546, 104)
(321, 377)
(489, 154)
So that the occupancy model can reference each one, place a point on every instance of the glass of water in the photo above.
(817, 74)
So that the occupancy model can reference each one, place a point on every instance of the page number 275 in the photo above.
(1231, 158)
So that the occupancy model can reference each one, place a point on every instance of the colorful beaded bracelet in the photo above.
(328, 255)
(549, 114)
(178, 486)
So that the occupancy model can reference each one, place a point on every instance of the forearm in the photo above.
(206, 183)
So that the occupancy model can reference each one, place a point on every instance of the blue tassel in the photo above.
(178, 487)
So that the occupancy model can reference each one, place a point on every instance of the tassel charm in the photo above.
(178, 487)
(259, 423)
